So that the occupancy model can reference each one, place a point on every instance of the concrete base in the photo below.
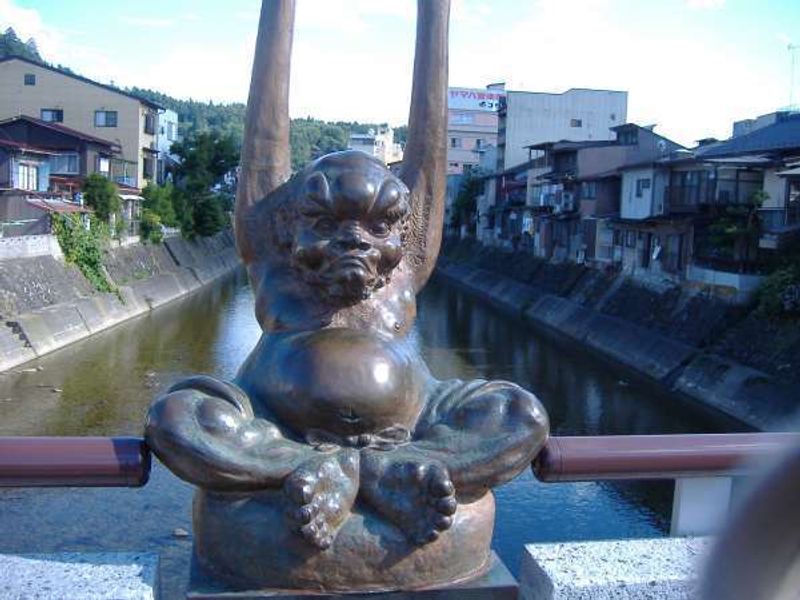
(497, 584)
(656, 569)
(100, 576)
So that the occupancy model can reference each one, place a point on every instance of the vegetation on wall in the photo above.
(83, 246)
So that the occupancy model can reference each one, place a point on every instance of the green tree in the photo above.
(150, 227)
(205, 159)
(466, 201)
(736, 229)
(100, 194)
(159, 201)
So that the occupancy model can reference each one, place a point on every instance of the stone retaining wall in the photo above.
(604, 314)
(46, 304)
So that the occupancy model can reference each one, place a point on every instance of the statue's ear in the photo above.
(265, 161)
(424, 168)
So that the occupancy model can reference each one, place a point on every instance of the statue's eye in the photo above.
(325, 226)
(380, 228)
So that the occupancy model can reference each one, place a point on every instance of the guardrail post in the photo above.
(700, 505)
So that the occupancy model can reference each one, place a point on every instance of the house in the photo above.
(71, 155)
(573, 189)
(709, 217)
(103, 111)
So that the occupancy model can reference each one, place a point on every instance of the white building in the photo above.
(166, 135)
(379, 143)
(527, 118)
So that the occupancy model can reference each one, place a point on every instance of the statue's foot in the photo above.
(414, 494)
(321, 492)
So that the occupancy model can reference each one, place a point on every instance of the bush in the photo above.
(159, 201)
(779, 295)
(101, 195)
(150, 227)
(84, 247)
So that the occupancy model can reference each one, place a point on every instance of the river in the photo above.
(103, 385)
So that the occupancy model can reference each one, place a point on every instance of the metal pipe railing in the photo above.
(592, 458)
(125, 462)
(73, 462)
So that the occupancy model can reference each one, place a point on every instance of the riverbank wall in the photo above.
(46, 304)
(685, 344)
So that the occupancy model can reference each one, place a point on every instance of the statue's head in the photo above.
(346, 225)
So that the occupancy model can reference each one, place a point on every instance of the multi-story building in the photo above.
(529, 118)
(378, 143)
(471, 125)
(51, 95)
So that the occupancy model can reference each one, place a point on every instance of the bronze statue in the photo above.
(335, 461)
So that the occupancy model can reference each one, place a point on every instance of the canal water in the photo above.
(102, 386)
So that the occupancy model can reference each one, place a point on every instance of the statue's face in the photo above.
(349, 235)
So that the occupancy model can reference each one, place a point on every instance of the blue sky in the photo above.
(690, 66)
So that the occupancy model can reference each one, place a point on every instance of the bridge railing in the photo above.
(703, 465)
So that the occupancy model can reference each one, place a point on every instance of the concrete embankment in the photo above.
(620, 321)
(46, 304)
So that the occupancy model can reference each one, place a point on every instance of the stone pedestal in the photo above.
(496, 584)
(100, 576)
(650, 569)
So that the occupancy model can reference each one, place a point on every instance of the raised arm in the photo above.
(265, 162)
(425, 158)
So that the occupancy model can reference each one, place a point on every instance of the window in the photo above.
(30, 79)
(171, 131)
(105, 118)
(52, 115)
(150, 123)
(453, 165)
(147, 168)
(628, 137)
(641, 185)
(455, 142)
(589, 190)
(104, 165)
(479, 143)
(575, 123)
(630, 238)
(64, 164)
(27, 177)
(613, 116)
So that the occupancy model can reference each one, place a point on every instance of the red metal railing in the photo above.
(125, 462)
(592, 458)
(73, 462)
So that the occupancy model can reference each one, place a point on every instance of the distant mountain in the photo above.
(310, 138)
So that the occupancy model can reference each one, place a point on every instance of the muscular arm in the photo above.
(204, 430)
(425, 155)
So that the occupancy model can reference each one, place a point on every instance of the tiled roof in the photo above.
(61, 129)
(781, 136)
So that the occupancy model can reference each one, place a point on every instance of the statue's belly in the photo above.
(341, 381)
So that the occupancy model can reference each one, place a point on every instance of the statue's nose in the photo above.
(352, 239)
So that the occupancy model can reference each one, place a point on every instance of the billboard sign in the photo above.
(474, 99)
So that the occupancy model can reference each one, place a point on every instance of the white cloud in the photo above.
(28, 23)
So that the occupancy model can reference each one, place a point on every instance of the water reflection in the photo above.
(103, 386)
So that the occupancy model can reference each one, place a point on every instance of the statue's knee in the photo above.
(524, 408)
